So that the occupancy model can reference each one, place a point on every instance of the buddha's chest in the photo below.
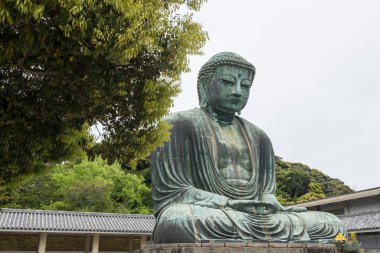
(233, 155)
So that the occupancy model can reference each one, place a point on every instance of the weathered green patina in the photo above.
(215, 178)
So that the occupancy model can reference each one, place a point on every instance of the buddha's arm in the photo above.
(211, 200)
(200, 197)
(268, 176)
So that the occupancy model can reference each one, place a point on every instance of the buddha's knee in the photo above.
(322, 225)
(174, 225)
(323, 218)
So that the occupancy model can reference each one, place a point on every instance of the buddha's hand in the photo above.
(296, 209)
(280, 208)
(252, 206)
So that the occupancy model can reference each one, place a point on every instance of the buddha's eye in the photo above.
(245, 83)
(228, 82)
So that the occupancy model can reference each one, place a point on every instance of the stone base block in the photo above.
(238, 247)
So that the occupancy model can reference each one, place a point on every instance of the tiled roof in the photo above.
(342, 198)
(64, 221)
(365, 221)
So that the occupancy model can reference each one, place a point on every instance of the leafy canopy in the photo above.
(67, 65)
(92, 186)
(297, 183)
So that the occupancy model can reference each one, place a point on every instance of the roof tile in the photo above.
(43, 220)
(361, 221)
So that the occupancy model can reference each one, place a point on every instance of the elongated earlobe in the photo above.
(202, 94)
(203, 102)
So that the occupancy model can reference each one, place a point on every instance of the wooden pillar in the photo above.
(142, 240)
(95, 243)
(87, 244)
(130, 244)
(42, 242)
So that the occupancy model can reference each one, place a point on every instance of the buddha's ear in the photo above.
(202, 92)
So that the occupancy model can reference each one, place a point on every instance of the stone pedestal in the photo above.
(239, 247)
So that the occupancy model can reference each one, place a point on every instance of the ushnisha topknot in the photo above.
(225, 58)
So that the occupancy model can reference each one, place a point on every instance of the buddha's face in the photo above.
(228, 90)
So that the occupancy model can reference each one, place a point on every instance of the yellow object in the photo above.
(339, 237)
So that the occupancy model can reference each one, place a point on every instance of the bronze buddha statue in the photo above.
(215, 179)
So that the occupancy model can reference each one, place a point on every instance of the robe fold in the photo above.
(190, 195)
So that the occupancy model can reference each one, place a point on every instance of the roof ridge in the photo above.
(358, 214)
(340, 195)
(79, 213)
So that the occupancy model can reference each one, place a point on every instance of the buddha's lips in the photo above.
(235, 100)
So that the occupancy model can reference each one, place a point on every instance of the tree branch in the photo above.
(21, 65)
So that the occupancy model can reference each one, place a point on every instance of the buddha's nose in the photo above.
(236, 91)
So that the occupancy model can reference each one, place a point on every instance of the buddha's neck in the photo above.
(223, 118)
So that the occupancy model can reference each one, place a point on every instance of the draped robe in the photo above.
(190, 195)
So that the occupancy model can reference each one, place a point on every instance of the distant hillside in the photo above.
(297, 183)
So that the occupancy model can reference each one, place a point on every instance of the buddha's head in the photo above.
(224, 82)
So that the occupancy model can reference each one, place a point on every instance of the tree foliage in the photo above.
(67, 65)
(294, 182)
(297, 183)
(91, 186)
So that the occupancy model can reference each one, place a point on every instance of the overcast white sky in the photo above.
(317, 86)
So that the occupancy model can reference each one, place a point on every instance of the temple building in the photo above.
(62, 231)
(359, 211)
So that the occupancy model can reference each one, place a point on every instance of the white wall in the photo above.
(364, 205)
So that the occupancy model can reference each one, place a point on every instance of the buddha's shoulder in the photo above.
(254, 128)
(184, 116)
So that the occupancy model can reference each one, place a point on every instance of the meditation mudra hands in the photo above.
(260, 207)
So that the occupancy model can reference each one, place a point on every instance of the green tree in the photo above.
(89, 196)
(92, 186)
(33, 192)
(330, 186)
(67, 65)
(315, 191)
(297, 183)
(294, 183)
